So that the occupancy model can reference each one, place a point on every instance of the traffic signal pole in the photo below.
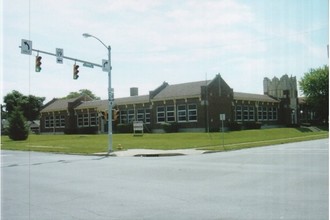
(68, 58)
(26, 48)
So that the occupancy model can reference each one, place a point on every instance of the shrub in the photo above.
(252, 125)
(234, 126)
(170, 127)
(17, 129)
(124, 128)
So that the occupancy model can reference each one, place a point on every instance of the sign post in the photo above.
(222, 118)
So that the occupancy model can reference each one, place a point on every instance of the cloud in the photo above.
(157, 40)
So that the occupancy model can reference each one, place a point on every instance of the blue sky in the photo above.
(161, 40)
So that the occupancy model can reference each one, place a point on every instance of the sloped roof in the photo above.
(61, 104)
(183, 90)
(132, 100)
(58, 105)
(253, 97)
(100, 105)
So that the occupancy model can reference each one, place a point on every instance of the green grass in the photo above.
(88, 144)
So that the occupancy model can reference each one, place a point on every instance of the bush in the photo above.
(252, 125)
(234, 126)
(124, 128)
(18, 129)
(88, 130)
(170, 127)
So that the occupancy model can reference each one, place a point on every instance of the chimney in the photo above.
(134, 91)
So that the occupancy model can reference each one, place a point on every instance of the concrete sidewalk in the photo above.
(153, 153)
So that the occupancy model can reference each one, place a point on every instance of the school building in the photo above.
(191, 106)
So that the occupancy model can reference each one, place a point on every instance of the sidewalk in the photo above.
(153, 153)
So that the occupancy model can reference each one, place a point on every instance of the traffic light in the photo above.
(105, 115)
(75, 71)
(115, 114)
(38, 63)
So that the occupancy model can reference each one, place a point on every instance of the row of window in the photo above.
(87, 120)
(247, 113)
(58, 121)
(171, 113)
(128, 116)
(182, 113)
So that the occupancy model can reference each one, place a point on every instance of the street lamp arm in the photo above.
(89, 35)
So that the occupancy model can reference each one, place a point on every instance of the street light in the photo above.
(110, 95)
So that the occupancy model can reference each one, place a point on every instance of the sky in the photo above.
(153, 41)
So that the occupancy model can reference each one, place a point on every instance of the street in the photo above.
(289, 181)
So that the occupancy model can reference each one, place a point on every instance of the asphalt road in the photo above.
(288, 181)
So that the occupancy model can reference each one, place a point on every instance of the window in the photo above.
(93, 119)
(274, 113)
(251, 113)
(245, 113)
(83, 120)
(160, 114)
(182, 113)
(131, 115)
(140, 115)
(147, 116)
(264, 113)
(86, 120)
(57, 121)
(123, 117)
(170, 114)
(238, 113)
(259, 113)
(192, 112)
(49, 122)
(62, 121)
(80, 120)
(270, 113)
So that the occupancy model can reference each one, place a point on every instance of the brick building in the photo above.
(192, 106)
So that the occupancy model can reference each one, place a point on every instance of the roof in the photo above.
(132, 100)
(58, 105)
(61, 104)
(253, 97)
(100, 105)
(184, 90)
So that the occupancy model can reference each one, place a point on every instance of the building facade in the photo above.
(193, 106)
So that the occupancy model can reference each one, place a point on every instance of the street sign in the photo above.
(89, 65)
(105, 65)
(59, 55)
(222, 117)
(26, 47)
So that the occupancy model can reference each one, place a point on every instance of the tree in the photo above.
(17, 129)
(29, 105)
(81, 92)
(315, 86)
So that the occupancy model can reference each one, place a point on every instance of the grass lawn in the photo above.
(88, 144)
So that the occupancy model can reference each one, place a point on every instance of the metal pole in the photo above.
(110, 103)
(110, 93)
(223, 136)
